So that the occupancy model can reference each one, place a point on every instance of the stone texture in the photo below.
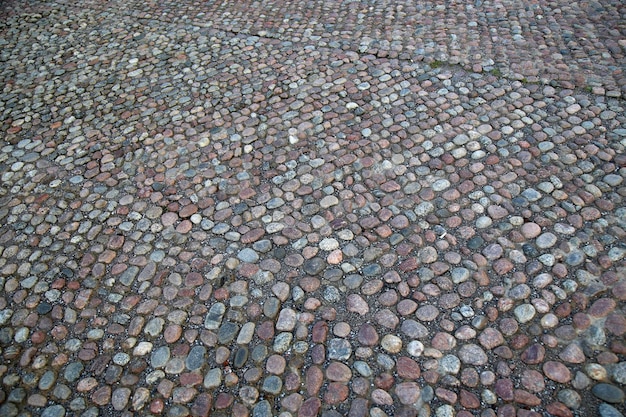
(249, 208)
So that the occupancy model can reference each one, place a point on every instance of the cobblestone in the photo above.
(328, 208)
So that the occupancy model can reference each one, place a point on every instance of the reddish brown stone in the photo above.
(310, 407)
(319, 332)
(534, 354)
(533, 380)
(602, 307)
(556, 371)
(616, 323)
(581, 321)
(526, 398)
(101, 396)
(443, 341)
(559, 410)
(252, 236)
(313, 380)
(156, 406)
(384, 381)
(223, 400)
(469, 399)
(503, 266)
(368, 336)
(563, 310)
(446, 395)
(490, 338)
(407, 368)
(336, 393)
(202, 406)
(507, 410)
(504, 389)
(190, 379)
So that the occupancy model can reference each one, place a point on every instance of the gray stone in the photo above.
(595, 336)
(332, 294)
(53, 411)
(472, 354)
(531, 194)
(609, 393)
(178, 410)
(460, 275)
(272, 385)
(570, 398)
(575, 258)
(372, 270)
(214, 316)
(546, 240)
(271, 306)
(259, 353)
(154, 327)
(227, 332)
(339, 349)
(196, 358)
(524, 313)
(73, 371)
(10, 410)
(241, 357)
(248, 255)
(262, 409)
(619, 373)
(449, 364)
(282, 342)
(314, 266)
(160, 357)
(47, 380)
(606, 410)
(246, 333)
(413, 329)
(213, 378)
(363, 368)
(274, 203)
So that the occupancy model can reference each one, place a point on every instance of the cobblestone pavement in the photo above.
(300, 208)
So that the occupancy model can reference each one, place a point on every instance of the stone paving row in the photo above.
(206, 222)
(567, 44)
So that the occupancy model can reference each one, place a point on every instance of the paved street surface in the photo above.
(300, 208)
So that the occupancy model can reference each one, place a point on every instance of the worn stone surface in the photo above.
(314, 208)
